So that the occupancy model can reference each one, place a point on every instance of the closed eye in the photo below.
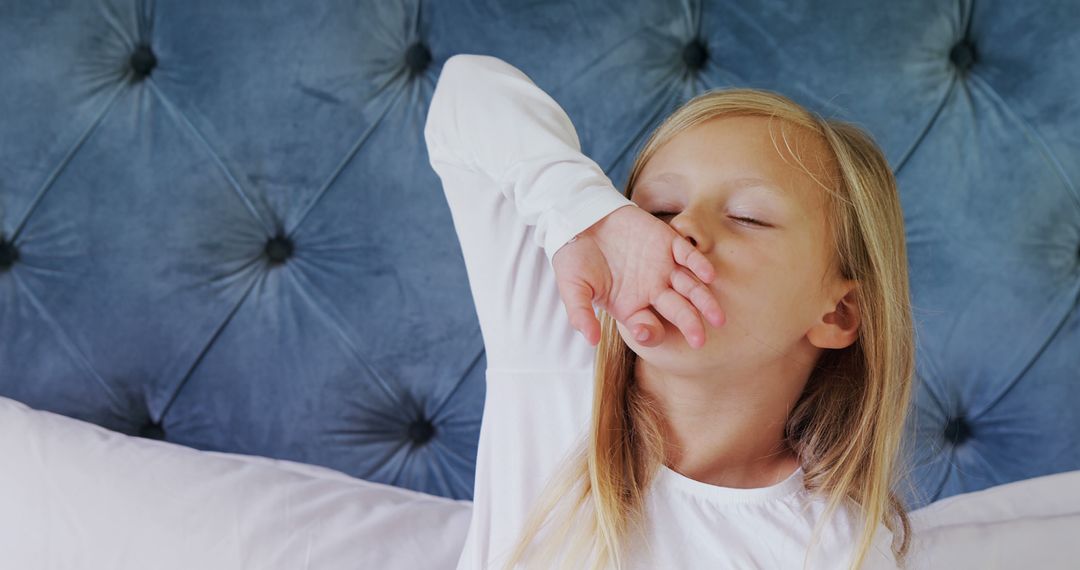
(750, 220)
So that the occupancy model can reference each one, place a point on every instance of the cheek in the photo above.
(767, 287)
(794, 294)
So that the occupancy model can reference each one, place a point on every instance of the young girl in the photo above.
(771, 436)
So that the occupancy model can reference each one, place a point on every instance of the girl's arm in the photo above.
(518, 188)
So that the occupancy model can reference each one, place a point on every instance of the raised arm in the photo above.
(518, 188)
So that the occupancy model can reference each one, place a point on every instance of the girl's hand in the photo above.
(628, 261)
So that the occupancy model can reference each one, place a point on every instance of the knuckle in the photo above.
(694, 285)
(680, 277)
(686, 312)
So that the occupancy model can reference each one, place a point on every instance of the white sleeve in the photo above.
(518, 188)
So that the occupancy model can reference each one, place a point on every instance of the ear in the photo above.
(839, 326)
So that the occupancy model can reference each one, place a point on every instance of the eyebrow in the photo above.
(742, 182)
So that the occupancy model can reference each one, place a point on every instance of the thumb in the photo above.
(577, 298)
(645, 319)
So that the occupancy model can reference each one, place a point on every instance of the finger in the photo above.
(579, 310)
(699, 294)
(646, 320)
(675, 308)
(687, 255)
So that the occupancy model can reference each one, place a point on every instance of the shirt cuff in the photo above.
(565, 228)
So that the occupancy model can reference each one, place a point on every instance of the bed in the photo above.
(235, 325)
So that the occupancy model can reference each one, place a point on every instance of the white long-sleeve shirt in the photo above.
(519, 188)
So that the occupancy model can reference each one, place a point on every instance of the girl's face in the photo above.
(774, 281)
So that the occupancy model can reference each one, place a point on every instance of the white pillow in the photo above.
(1032, 523)
(75, 495)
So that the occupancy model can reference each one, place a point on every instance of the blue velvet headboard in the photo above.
(220, 228)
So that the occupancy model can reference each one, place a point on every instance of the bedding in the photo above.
(75, 495)
(1031, 523)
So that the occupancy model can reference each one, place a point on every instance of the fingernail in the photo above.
(643, 335)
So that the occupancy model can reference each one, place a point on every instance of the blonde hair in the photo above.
(847, 424)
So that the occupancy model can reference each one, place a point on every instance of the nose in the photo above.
(694, 229)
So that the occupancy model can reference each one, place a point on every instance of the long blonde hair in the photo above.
(847, 424)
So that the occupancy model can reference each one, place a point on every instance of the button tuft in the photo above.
(957, 431)
(417, 57)
(421, 431)
(695, 54)
(962, 55)
(142, 61)
(9, 254)
(279, 248)
(152, 431)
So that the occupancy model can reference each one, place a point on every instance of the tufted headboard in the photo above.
(219, 226)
